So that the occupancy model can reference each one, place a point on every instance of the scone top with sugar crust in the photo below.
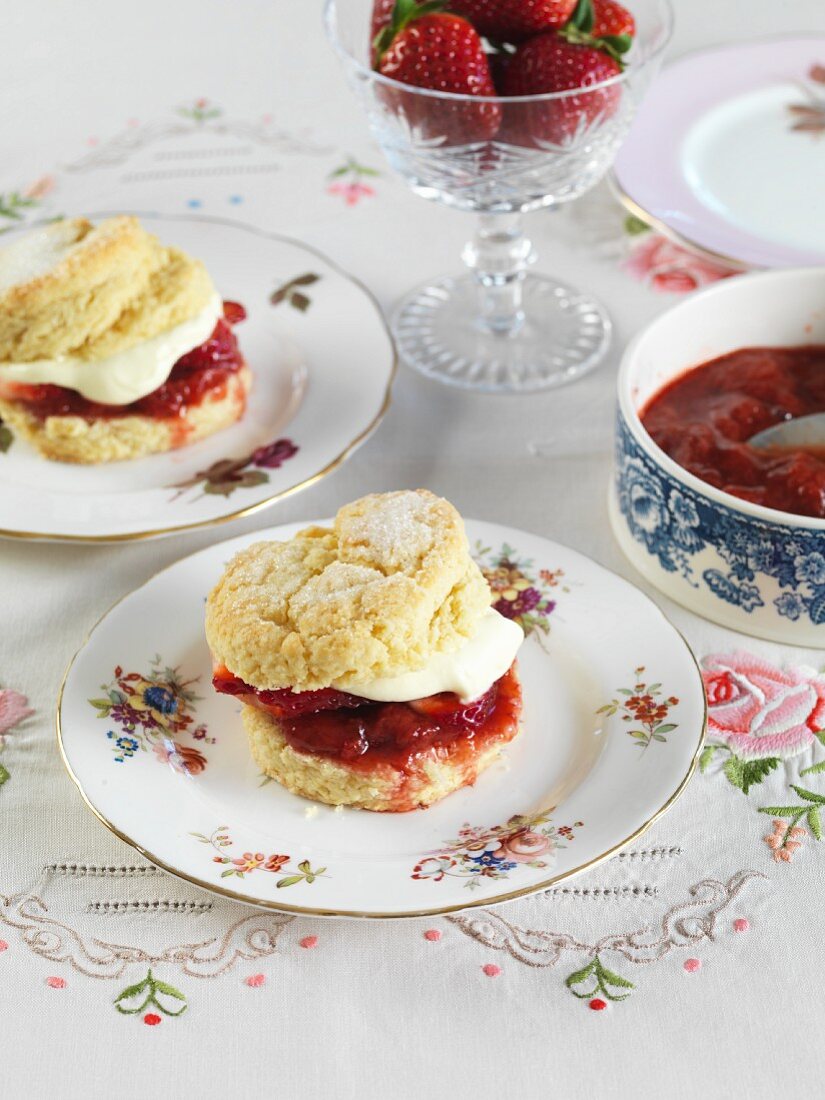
(73, 288)
(390, 584)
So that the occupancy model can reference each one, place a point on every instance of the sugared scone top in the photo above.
(382, 593)
(72, 289)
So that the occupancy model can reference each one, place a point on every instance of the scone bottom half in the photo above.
(313, 635)
(112, 345)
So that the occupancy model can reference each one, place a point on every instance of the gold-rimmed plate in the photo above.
(614, 717)
(322, 360)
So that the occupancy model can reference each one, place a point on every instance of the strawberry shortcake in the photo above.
(372, 669)
(112, 345)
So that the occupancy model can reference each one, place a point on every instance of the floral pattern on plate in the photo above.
(520, 591)
(480, 852)
(151, 712)
(224, 477)
(644, 706)
(248, 862)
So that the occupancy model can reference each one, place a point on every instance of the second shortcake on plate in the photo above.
(112, 345)
(372, 669)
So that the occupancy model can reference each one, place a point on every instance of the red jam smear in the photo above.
(703, 418)
(204, 371)
(368, 735)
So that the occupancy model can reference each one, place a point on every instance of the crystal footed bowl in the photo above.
(499, 327)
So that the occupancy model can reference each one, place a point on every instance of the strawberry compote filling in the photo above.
(201, 373)
(368, 735)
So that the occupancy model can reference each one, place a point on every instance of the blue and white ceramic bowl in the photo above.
(746, 567)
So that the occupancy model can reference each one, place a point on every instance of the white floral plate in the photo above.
(323, 363)
(614, 715)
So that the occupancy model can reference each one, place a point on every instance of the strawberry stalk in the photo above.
(578, 32)
(404, 13)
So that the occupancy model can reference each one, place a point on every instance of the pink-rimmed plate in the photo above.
(727, 153)
(614, 714)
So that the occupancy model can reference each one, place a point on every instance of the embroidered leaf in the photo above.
(4, 775)
(668, 727)
(814, 769)
(169, 990)
(809, 796)
(133, 991)
(290, 880)
(814, 822)
(615, 979)
(782, 811)
(231, 871)
(745, 774)
(579, 976)
(706, 757)
(304, 865)
(6, 438)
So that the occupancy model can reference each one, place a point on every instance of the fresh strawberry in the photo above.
(381, 17)
(426, 47)
(547, 63)
(513, 20)
(610, 18)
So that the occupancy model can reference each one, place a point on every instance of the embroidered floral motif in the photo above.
(596, 978)
(665, 266)
(809, 117)
(200, 111)
(151, 991)
(152, 712)
(257, 861)
(758, 710)
(14, 709)
(645, 706)
(519, 591)
(224, 477)
(480, 853)
(759, 716)
(348, 182)
(292, 294)
(784, 840)
(680, 927)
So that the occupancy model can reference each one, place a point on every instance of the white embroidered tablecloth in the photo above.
(709, 927)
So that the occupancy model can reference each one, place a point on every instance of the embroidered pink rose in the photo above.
(523, 846)
(352, 192)
(759, 710)
(14, 707)
(667, 267)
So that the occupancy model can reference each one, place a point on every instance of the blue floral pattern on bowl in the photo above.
(675, 524)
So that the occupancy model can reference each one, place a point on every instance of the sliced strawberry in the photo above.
(233, 313)
(284, 703)
(425, 47)
(513, 20)
(448, 709)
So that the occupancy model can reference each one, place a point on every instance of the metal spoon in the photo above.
(804, 433)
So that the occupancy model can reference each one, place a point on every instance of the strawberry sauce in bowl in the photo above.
(735, 533)
(704, 418)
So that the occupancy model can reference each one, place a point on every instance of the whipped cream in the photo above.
(467, 672)
(126, 376)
